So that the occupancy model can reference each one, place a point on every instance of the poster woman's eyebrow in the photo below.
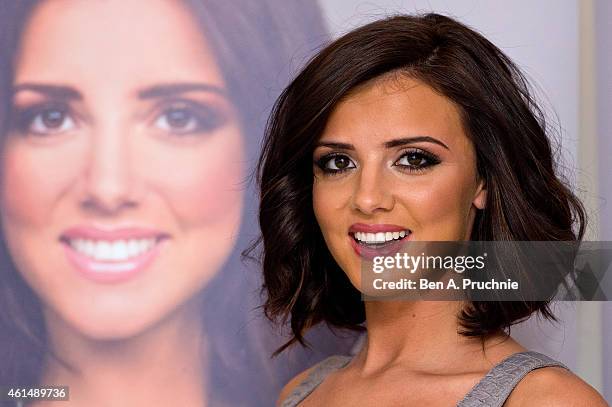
(410, 140)
(171, 89)
(53, 91)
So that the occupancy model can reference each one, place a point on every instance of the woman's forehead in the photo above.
(112, 40)
(391, 108)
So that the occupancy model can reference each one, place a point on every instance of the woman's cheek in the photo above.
(33, 180)
(328, 200)
(437, 209)
(206, 184)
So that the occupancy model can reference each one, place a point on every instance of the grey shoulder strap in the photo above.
(496, 386)
(315, 378)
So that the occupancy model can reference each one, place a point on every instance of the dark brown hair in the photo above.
(527, 200)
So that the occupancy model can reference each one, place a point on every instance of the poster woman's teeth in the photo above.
(118, 250)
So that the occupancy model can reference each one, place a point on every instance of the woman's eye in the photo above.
(187, 120)
(50, 121)
(336, 163)
(177, 120)
(416, 160)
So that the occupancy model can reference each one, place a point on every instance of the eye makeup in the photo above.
(412, 160)
(42, 118)
(416, 160)
(184, 117)
(334, 163)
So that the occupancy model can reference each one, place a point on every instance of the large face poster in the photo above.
(131, 132)
(135, 127)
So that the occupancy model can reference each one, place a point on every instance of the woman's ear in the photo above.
(480, 198)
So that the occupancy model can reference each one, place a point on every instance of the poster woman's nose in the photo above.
(109, 179)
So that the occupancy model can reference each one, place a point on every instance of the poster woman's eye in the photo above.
(177, 120)
(47, 121)
(184, 119)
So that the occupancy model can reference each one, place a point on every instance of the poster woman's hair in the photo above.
(526, 198)
(255, 44)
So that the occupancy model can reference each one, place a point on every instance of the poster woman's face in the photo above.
(393, 163)
(121, 174)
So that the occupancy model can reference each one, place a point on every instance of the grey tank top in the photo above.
(491, 391)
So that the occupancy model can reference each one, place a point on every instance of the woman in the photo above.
(414, 128)
(125, 144)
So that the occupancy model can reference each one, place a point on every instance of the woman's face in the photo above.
(121, 174)
(393, 161)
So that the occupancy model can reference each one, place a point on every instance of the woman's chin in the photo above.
(110, 333)
(104, 325)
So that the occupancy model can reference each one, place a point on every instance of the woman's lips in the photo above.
(375, 228)
(389, 239)
(111, 255)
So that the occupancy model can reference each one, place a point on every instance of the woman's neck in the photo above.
(424, 336)
(162, 366)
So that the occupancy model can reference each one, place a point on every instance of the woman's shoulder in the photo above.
(292, 384)
(554, 386)
(320, 369)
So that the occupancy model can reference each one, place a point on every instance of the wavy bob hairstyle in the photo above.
(527, 200)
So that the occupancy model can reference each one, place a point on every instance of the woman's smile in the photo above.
(112, 254)
(371, 240)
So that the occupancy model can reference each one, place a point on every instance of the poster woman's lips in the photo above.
(111, 255)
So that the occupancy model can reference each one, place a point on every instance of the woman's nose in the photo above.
(109, 179)
(372, 192)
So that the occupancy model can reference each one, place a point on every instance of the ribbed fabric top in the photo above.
(491, 391)
(498, 383)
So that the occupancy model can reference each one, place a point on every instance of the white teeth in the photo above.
(120, 250)
(103, 251)
(380, 237)
(117, 250)
(133, 246)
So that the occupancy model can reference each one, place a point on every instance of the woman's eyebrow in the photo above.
(411, 140)
(171, 89)
(53, 91)
(333, 144)
(387, 144)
